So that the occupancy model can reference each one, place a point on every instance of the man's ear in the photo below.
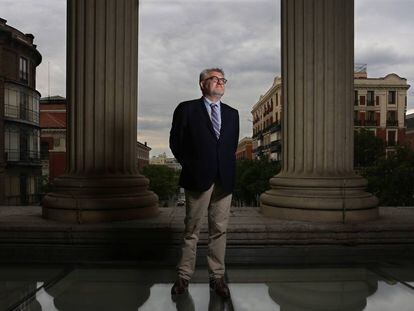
(201, 83)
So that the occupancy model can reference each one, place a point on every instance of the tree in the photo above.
(163, 180)
(252, 179)
(391, 179)
(367, 148)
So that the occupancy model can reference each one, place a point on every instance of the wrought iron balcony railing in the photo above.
(20, 113)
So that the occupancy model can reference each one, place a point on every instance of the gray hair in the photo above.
(205, 72)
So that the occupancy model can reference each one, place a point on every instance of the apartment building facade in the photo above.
(379, 105)
(20, 166)
(267, 116)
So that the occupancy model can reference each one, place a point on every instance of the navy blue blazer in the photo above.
(203, 157)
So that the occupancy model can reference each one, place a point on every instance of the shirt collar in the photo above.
(209, 102)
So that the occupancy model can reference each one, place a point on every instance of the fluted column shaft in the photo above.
(317, 181)
(318, 43)
(102, 86)
(102, 66)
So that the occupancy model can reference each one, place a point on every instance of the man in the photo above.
(203, 138)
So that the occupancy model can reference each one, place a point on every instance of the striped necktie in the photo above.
(215, 119)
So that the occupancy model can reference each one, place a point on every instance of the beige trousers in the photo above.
(217, 204)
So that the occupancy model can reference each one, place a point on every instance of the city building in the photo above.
(379, 105)
(20, 165)
(244, 149)
(267, 114)
(142, 155)
(53, 136)
(162, 159)
(409, 134)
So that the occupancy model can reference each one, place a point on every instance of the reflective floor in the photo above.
(109, 287)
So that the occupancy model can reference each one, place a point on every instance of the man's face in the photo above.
(213, 85)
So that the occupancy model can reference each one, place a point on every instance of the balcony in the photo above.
(392, 122)
(19, 113)
(275, 127)
(275, 146)
(371, 123)
(25, 156)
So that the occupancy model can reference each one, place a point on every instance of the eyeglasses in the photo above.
(217, 79)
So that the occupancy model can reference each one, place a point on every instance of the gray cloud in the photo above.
(179, 38)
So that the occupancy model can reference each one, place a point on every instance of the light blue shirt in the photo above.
(208, 102)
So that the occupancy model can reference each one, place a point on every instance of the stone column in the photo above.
(2, 142)
(101, 182)
(317, 181)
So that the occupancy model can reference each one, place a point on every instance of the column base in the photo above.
(82, 199)
(329, 199)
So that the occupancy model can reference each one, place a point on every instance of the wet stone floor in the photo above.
(376, 287)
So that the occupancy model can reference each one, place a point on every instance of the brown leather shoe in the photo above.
(180, 287)
(220, 287)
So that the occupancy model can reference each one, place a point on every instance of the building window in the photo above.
(362, 100)
(370, 98)
(370, 119)
(12, 144)
(24, 106)
(391, 98)
(23, 72)
(355, 98)
(56, 142)
(391, 138)
(392, 118)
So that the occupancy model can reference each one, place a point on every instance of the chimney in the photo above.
(30, 37)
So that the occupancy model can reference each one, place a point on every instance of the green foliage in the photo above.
(368, 148)
(163, 180)
(391, 179)
(252, 179)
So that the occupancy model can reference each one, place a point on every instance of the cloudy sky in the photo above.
(179, 38)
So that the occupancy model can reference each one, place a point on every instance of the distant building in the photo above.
(267, 114)
(244, 149)
(409, 134)
(142, 155)
(53, 136)
(162, 159)
(379, 106)
(20, 167)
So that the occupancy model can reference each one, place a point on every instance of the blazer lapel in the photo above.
(224, 119)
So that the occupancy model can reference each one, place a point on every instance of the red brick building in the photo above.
(245, 149)
(142, 155)
(53, 136)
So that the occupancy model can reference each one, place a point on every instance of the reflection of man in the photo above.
(204, 138)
